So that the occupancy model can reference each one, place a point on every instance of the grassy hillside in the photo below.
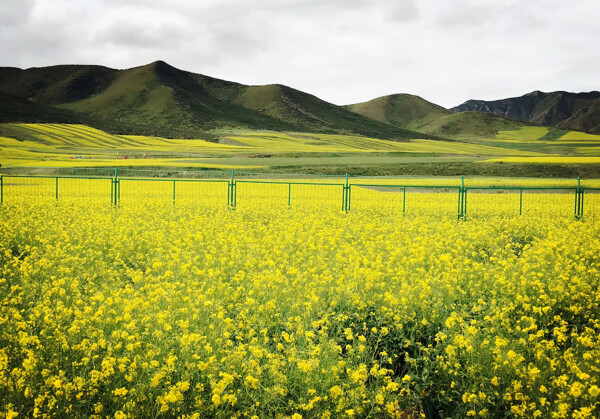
(56, 84)
(470, 125)
(16, 108)
(159, 95)
(403, 110)
(308, 111)
(415, 113)
(162, 98)
(572, 111)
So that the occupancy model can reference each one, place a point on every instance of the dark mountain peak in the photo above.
(536, 93)
(158, 63)
(160, 67)
(556, 108)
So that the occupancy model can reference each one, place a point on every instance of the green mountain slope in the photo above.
(313, 114)
(470, 125)
(158, 94)
(413, 112)
(163, 97)
(403, 110)
(16, 108)
(56, 84)
(574, 111)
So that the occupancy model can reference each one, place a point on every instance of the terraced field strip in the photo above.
(66, 135)
(549, 159)
(580, 136)
(523, 134)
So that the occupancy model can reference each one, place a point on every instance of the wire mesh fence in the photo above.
(591, 202)
(184, 191)
(287, 194)
(516, 201)
(466, 198)
(44, 188)
(404, 198)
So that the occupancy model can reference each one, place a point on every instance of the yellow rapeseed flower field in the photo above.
(149, 309)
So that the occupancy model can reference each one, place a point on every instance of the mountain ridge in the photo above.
(561, 109)
(160, 95)
(160, 99)
(413, 112)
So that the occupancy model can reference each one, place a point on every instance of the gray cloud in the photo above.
(125, 34)
(15, 13)
(446, 51)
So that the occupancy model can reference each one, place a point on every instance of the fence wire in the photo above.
(445, 196)
(516, 201)
(40, 188)
(182, 191)
(287, 194)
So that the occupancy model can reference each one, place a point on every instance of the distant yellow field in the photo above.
(68, 145)
(549, 159)
(525, 133)
(579, 136)
(27, 161)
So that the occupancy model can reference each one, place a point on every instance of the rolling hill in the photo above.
(160, 97)
(403, 110)
(573, 111)
(17, 108)
(413, 112)
(161, 100)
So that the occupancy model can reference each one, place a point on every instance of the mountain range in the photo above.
(158, 99)
(573, 111)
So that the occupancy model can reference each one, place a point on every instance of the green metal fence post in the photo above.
(56, 189)
(114, 190)
(228, 194)
(346, 195)
(404, 202)
(231, 198)
(462, 200)
(289, 195)
(174, 191)
(349, 197)
(579, 200)
(521, 202)
(1, 190)
(462, 203)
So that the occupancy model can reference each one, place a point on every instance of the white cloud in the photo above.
(342, 51)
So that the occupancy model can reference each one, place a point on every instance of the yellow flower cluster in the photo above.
(154, 310)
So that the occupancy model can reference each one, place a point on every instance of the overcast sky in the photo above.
(446, 51)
